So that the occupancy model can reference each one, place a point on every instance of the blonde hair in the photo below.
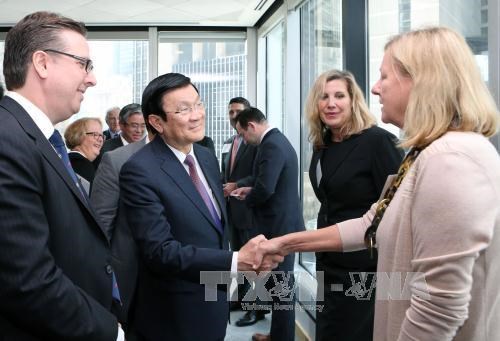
(360, 119)
(448, 93)
(75, 132)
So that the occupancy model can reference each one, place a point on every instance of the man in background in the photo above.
(274, 199)
(132, 130)
(237, 167)
(56, 281)
(112, 122)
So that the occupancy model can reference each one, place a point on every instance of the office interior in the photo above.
(269, 51)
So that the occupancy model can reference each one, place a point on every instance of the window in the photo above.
(2, 79)
(321, 50)
(121, 70)
(275, 77)
(467, 17)
(216, 62)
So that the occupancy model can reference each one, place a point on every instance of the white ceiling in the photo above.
(242, 13)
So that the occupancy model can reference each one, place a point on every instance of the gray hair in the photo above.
(129, 109)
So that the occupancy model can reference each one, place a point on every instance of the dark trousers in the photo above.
(344, 317)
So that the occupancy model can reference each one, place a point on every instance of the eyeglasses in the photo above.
(86, 63)
(95, 135)
(184, 110)
(137, 125)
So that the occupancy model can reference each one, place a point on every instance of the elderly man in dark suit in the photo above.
(112, 120)
(172, 198)
(274, 198)
(55, 275)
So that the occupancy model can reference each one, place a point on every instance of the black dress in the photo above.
(353, 173)
(82, 166)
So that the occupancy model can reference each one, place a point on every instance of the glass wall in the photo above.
(121, 70)
(216, 62)
(321, 50)
(275, 81)
(2, 80)
(390, 17)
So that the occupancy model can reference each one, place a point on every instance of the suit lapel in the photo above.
(312, 169)
(46, 150)
(228, 159)
(211, 176)
(241, 150)
(171, 165)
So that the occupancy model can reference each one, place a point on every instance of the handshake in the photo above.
(261, 254)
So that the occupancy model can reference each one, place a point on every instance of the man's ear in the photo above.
(252, 125)
(40, 61)
(156, 122)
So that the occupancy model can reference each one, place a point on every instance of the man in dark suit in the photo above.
(274, 198)
(132, 130)
(207, 142)
(237, 166)
(112, 120)
(55, 273)
(172, 197)
(105, 198)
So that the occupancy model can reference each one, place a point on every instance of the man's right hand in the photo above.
(250, 252)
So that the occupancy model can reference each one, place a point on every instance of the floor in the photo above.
(234, 333)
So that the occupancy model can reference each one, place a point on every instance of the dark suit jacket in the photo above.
(275, 197)
(107, 134)
(177, 239)
(207, 142)
(355, 181)
(277, 211)
(240, 216)
(55, 277)
(105, 198)
(108, 145)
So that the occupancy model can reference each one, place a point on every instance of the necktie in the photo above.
(115, 292)
(203, 191)
(234, 151)
(57, 142)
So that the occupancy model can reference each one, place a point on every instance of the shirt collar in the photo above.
(41, 120)
(125, 142)
(180, 155)
(265, 133)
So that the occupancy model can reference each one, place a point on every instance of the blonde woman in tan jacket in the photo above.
(438, 231)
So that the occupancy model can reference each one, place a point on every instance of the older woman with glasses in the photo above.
(84, 139)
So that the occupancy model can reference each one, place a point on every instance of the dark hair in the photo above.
(129, 109)
(250, 114)
(35, 32)
(156, 89)
(240, 100)
(1, 91)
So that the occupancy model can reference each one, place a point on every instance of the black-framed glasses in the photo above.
(86, 62)
(95, 134)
